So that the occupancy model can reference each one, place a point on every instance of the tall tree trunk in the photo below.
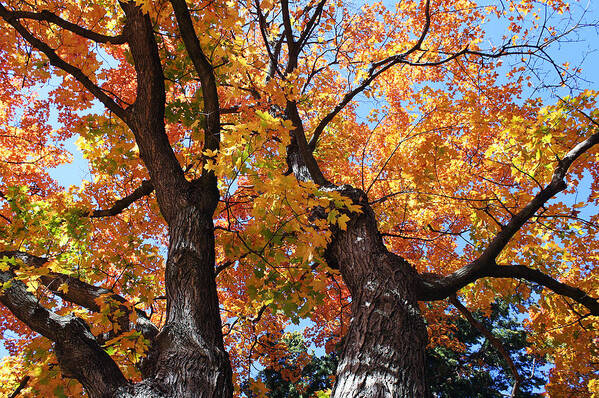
(191, 360)
(187, 358)
(383, 351)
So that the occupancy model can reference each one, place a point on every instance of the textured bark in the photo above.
(77, 350)
(146, 116)
(485, 265)
(383, 352)
(189, 355)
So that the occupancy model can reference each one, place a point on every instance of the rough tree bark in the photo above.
(187, 357)
(190, 358)
(383, 351)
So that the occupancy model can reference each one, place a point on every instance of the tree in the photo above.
(475, 369)
(232, 136)
(298, 373)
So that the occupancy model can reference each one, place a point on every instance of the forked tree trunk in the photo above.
(187, 358)
(384, 349)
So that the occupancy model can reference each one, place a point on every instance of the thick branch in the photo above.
(298, 154)
(206, 187)
(25, 306)
(146, 115)
(48, 16)
(85, 294)
(513, 271)
(300, 159)
(55, 60)
(272, 56)
(495, 342)
(205, 71)
(556, 185)
(77, 350)
(293, 51)
(20, 387)
(485, 265)
(536, 276)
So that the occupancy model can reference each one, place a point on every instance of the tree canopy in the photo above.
(367, 170)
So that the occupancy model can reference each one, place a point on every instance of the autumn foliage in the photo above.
(440, 122)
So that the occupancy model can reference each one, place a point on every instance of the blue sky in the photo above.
(583, 52)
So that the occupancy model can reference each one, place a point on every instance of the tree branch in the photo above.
(485, 264)
(300, 159)
(86, 295)
(205, 71)
(495, 342)
(206, 187)
(512, 271)
(146, 188)
(48, 16)
(305, 35)
(273, 56)
(77, 350)
(536, 276)
(55, 60)
(299, 155)
(146, 115)
(20, 387)
(289, 36)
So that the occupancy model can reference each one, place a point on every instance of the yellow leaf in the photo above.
(210, 153)
(342, 221)
(63, 288)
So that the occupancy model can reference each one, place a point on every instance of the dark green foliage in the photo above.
(480, 372)
(315, 376)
